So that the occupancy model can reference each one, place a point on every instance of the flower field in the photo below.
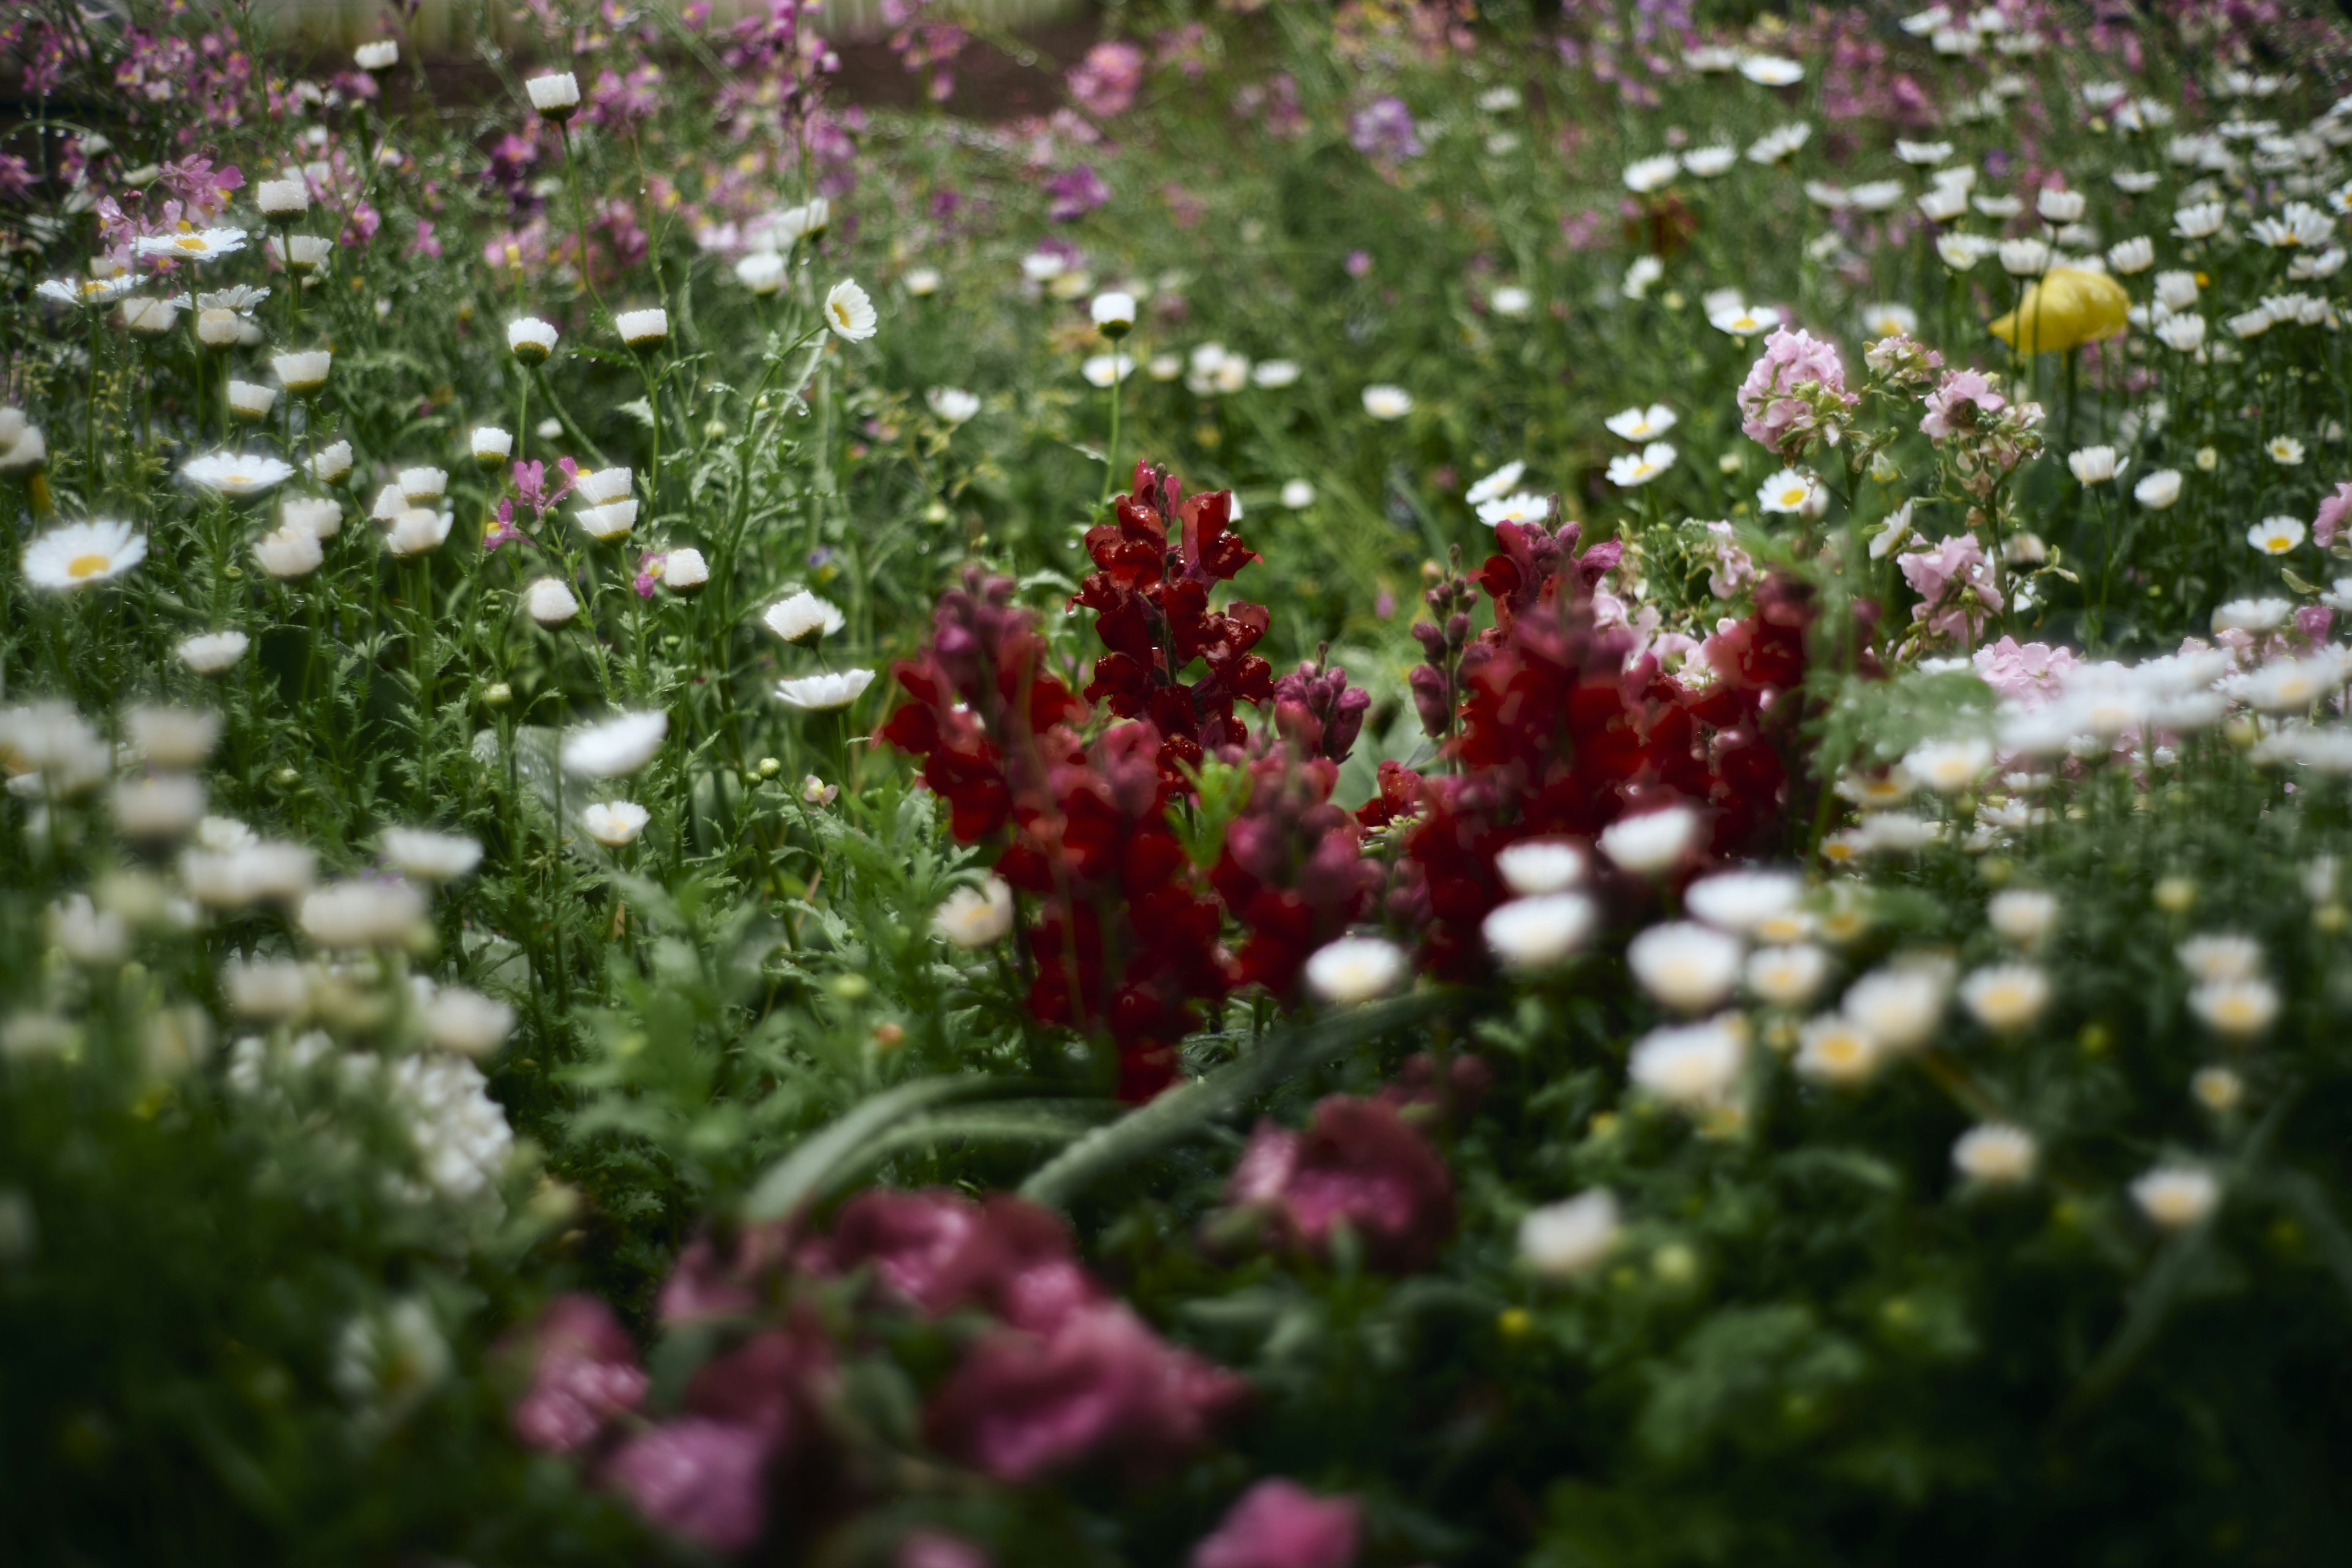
(1444, 784)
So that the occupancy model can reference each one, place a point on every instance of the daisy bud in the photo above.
(548, 602)
(556, 96)
(377, 55)
(491, 445)
(282, 198)
(686, 571)
(219, 328)
(640, 327)
(331, 462)
(531, 339)
(305, 372)
(1114, 314)
(250, 402)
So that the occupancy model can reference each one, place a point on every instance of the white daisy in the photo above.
(190, 243)
(850, 313)
(1643, 424)
(1355, 969)
(1788, 492)
(823, 693)
(613, 747)
(615, 824)
(236, 474)
(1633, 469)
(79, 554)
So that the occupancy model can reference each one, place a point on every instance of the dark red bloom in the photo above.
(1156, 564)
(1358, 1164)
(1293, 869)
(1562, 732)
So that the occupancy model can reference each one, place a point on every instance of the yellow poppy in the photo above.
(2064, 309)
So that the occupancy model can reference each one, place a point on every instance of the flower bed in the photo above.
(1434, 787)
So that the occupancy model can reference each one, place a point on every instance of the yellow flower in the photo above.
(2065, 309)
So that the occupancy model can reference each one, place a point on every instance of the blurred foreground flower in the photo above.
(2064, 309)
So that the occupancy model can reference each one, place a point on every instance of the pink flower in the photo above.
(1776, 411)
(1955, 583)
(2314, 621)
(1102, 1385)
(2030, 673)
(584, 1371)
(2332, 514)
(1953, 406)
(1106, 81)
(1280, 1524)
(701, 1480)
(1357, 1163)
(937, 1549)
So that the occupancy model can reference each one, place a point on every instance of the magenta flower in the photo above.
(2330, 523)
(940, 1250)
(1793, 394)
(1076, 193)
(1102, 1385)
(2030, 673)
(1280, 1524)
(701, 1480)
(584, 1371)
(1357, 1163)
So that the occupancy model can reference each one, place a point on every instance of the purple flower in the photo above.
(1384, 128)
(1280, 1524)
(1774, 412)
(1104, 83)
(1076, 193)
(698, 1479)
(1358, 1164)
(584, 1371)
(1360, 264)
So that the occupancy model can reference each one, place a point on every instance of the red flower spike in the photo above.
(1155, 564)
(1559, 735)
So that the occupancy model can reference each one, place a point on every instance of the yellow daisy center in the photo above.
(190, 242)
(89, 565)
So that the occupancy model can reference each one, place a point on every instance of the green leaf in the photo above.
(1189, 1108)
(792, 1181)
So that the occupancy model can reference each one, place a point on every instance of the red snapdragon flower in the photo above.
(1155, 565)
